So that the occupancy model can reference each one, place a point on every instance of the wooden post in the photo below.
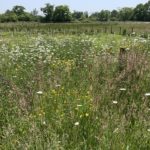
(122, 59)
(132, 30)
(111, 30)
(120, 30)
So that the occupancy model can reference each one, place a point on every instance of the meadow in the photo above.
(69, 87)
(125, 28)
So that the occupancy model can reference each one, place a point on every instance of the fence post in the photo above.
(122, 59)
(120, 30)
(132, 30)
(111, 30)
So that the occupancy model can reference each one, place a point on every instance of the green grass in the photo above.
(67, 92)
(77, 28)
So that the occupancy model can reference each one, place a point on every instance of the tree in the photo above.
(114, 15)
(25, 17)
(9, 16)
(104, 15)
(94, 16)
(62, 14)
(138, 13)
(147, 11)
(125, 14)
(18, 10)
(86, 14)
(48, 11)
(77, 15)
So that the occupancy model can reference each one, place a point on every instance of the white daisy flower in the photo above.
(39, 92)
(147, 94)
(76, 124)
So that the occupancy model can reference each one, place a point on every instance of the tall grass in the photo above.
(68, 92)
(77, 28)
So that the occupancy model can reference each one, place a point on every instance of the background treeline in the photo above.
(62, 13)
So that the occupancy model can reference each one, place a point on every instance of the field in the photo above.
(78, 28)
(70, 87)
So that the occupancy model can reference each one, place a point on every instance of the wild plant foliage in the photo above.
(65, 91)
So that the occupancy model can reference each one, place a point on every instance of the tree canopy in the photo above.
(48, 11)
(62, 13)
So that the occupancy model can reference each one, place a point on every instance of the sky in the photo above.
(79, 5)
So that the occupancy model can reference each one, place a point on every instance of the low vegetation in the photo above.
(76, 91)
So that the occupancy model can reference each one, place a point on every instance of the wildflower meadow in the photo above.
(74, 91)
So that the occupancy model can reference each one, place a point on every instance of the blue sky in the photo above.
(80, 5)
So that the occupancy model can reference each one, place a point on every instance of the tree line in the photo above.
(62, 13)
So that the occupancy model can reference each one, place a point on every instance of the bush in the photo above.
(25, 17)
(8, 18)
